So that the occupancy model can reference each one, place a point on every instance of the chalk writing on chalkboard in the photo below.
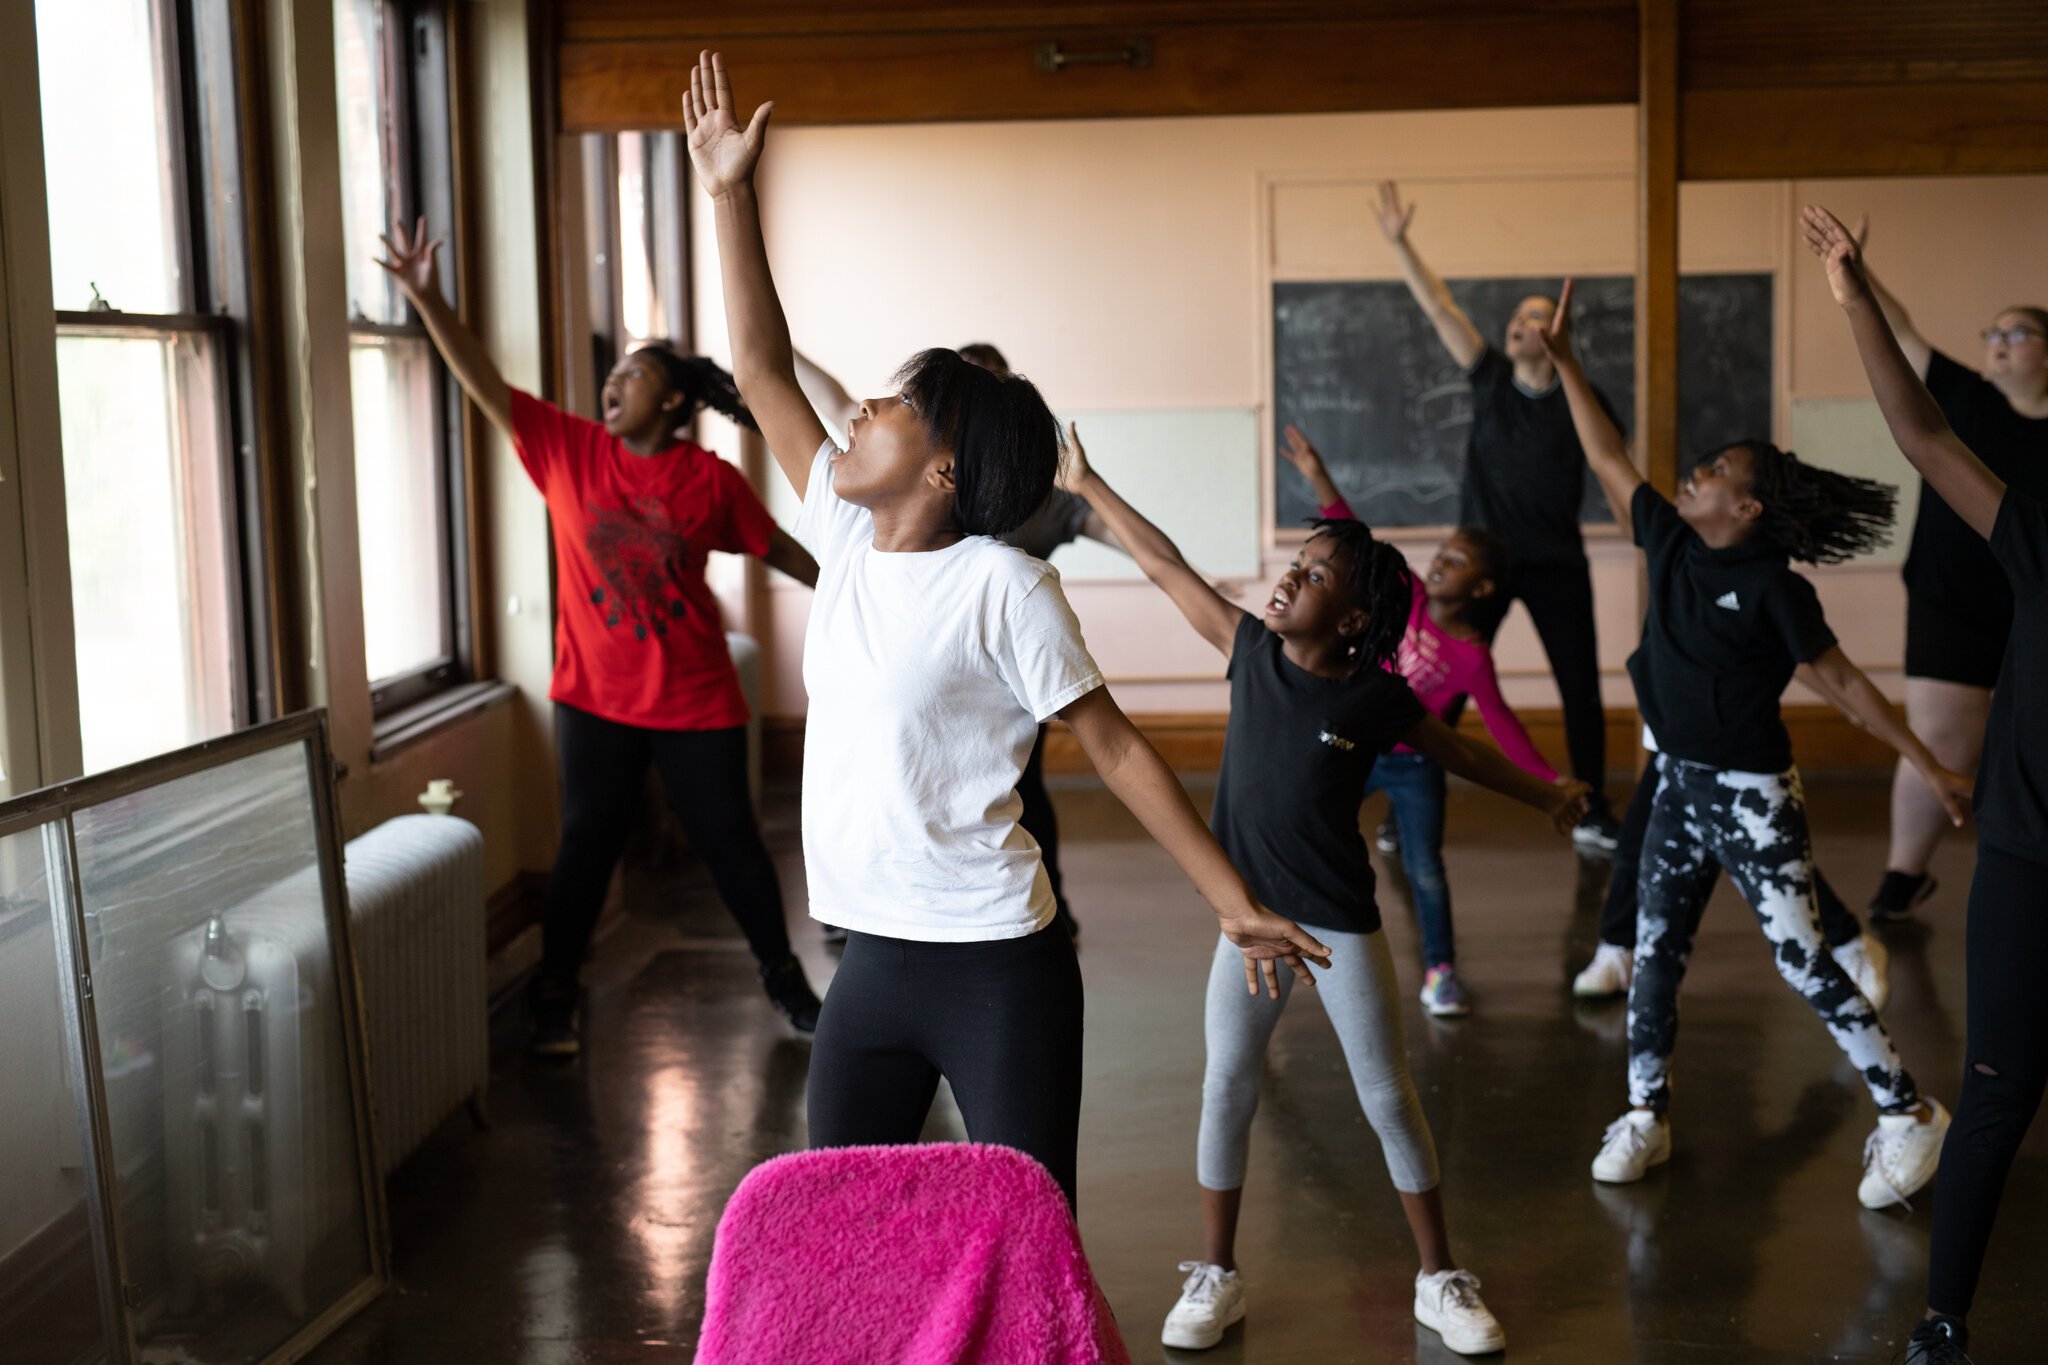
(1358, 367)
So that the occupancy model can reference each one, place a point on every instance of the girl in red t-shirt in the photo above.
(642, 673)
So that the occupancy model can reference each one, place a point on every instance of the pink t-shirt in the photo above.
(1441, 668)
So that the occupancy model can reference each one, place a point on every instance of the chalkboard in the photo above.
(1360, 369)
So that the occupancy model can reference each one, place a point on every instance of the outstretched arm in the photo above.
(1855, 696)
(1915, 419)
(1453, 328)
(786, 556)
(1296, 450)
(1606, 451)
(1133, 770)
(410, 261)
(1564, 802)
(1917, 351)
(1213, 616)
(828, 396)
(724, 155)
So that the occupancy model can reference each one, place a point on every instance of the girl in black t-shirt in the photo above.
(1312, 706)
(2008, 927)
(1727, 623)
(1959, 605)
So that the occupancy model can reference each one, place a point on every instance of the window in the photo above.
(148, 259)
(634, 221)
(397, 164)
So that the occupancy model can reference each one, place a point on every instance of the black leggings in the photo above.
(1000, 1020)
(1560, 602)
(1039, 821)
(1618, 914)
(604, 766)
(2004, 1069)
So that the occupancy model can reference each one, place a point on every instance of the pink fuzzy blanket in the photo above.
(938, 1254)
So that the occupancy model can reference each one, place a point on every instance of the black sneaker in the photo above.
(552, 1005)
(834, 936)
(1938, 1341)
(791, 992)
(1386, 838)
(1597, 833)
(1897, 894)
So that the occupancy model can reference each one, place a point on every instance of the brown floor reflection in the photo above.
(577, 1231)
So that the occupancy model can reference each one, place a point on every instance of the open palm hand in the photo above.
(722, 152)
(1840, 252)
(409, 259)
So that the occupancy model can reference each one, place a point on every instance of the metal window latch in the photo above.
(1137, 55)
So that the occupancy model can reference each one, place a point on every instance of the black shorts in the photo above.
(1946, 644)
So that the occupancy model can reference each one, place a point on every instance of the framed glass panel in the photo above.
(400, 496)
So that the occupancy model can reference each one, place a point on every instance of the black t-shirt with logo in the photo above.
(1950, 566)
(2012, 779)
(1525, 471)
(1724, 631)
(1295, 759)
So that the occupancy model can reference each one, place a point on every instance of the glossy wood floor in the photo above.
(577, 1230)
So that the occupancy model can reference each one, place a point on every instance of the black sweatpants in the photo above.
(2004, 1070)
(604, 766)
(1838, 924)
(1560, 602)
(1000, 1020)
(1039, 820)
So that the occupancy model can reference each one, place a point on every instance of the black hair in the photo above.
(1814, 514)
(701, 382)
(1489, 550)
(987, 356)
(1005, 441)
(2037, 316)
(1380, 585)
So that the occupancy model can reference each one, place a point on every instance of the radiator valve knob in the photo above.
(440, 796)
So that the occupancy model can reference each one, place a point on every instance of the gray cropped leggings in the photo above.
(1363, 1001)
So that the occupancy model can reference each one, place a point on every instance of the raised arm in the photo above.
(1296, 450)
(1564, 802)
(1916, 421)
(1133, 770)
(724, 155)
(1453, 328)
(1855, 696)
(410, 261)
(1606, 451)
(1213, 616)
(829, 398)
(1917, 352)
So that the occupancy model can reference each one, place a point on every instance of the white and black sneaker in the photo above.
(1938, 1341)
(1898, 893)
(1609, 973)
(1597, 833)
(1900, 1157)
(1210, 1301)
(1633, 1144)
(1387, 838)
(1448, 1304)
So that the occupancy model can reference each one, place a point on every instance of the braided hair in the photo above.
(701, 382)
(1380, 585)
(1815, 515)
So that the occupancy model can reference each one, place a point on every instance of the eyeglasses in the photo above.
(2011, 336)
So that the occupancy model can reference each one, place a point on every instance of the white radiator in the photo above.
(416, 913)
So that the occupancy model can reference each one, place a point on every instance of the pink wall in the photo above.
(1126, 266)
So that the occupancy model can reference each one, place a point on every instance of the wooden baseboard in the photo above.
(1192, 741)
(512, 909)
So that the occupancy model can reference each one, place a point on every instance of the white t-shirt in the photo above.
(928, 675)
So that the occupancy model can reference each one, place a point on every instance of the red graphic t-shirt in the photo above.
(638, 635)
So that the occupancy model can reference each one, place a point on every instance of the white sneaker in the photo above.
(1867, 961)
(1899, 1157)
(1211, 1300)
(1634, 1143)
(1608, 973)
(1447, 1303)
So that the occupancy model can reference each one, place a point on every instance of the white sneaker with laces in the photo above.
(1899, 1157)
(1634, 1143)
(1448, 1304)
(1867, 961)
(1210, 1301)
(1608, 973)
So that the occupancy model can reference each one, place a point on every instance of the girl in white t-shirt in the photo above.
(932, 654)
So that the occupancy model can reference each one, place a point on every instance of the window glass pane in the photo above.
(369, 153)
(232, 1119)
(149, 544)
(114, 208)
(52, 1315)
(639, 308)
(399, 504)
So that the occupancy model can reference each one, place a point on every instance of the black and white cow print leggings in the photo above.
(1754, 826)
